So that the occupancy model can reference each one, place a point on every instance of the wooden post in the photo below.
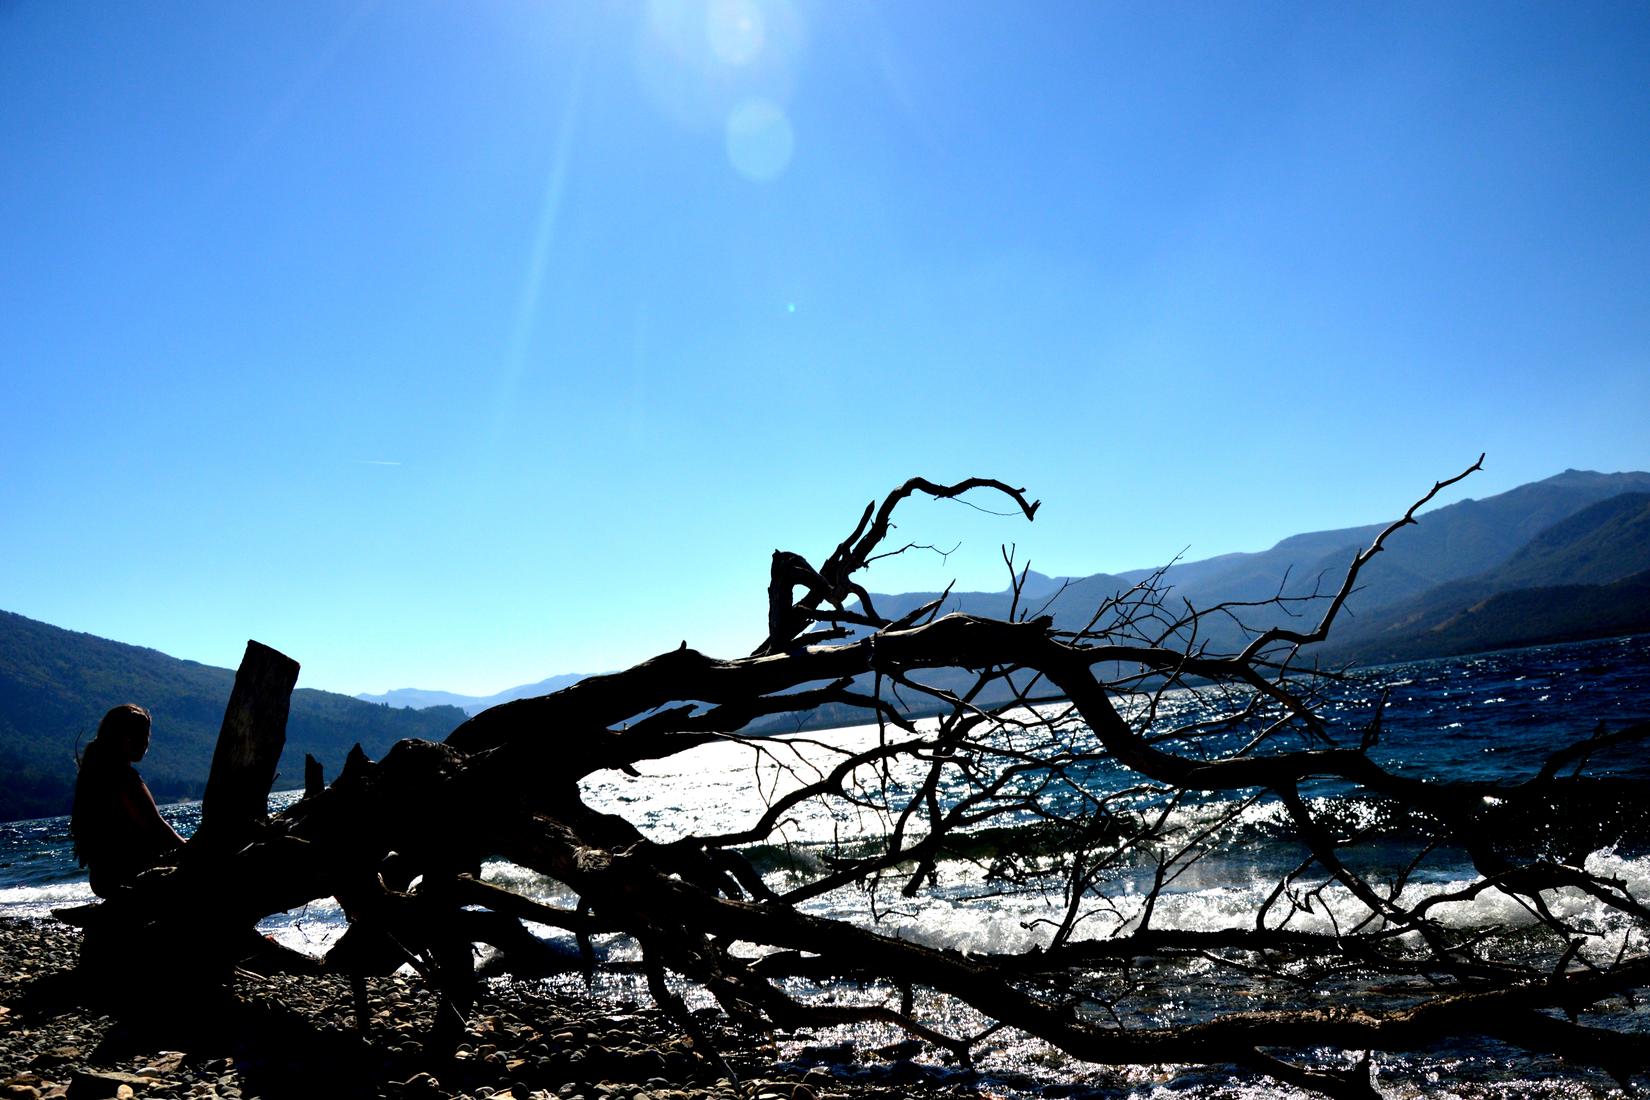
(249, 747)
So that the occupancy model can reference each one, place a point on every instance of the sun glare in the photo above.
(734, 30)
(726, 65)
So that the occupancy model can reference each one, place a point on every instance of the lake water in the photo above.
(1482, 717)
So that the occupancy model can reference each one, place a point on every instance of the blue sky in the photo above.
(456, 345)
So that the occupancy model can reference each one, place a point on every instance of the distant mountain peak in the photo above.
(1037, 585)
(419, 698)
(1573, 476)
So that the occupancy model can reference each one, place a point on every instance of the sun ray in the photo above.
(539, 255)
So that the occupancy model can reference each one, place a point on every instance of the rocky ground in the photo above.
(297, 1036)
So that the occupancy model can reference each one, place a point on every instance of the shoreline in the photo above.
(295, 1035)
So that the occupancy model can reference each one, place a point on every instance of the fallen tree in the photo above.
(1074, 778)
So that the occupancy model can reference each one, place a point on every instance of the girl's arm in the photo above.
(140, 807)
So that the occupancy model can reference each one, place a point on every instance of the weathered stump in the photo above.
(250, 741)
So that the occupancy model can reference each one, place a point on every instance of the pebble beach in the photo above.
(297, 1035)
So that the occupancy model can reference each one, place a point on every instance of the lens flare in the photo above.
(760, 140)
(697, 59)
(735, 30)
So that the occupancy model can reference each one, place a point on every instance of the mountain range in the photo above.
(418, 698)
(1555, 560)
(1562, 559)
(1588, 575)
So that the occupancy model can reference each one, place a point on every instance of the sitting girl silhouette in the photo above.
(118, 832)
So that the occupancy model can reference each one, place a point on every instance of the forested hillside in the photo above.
(55, 684)
(1586, 576)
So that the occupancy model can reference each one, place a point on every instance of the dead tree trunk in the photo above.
(236, 803)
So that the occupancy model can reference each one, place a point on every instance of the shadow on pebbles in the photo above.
(291, 1036)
